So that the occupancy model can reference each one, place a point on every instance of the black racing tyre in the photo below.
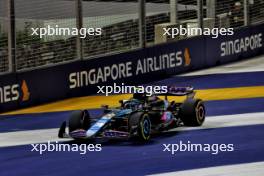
(139, 126)
(192, 112)
(79, 120)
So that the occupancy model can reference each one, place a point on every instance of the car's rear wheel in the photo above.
(79, 120)
(192, 112)
(139, 126)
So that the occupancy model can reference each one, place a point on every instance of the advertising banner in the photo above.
(140, 66)
(246, 42)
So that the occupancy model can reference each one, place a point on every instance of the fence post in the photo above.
(210, 8)
(200, 13)
(246, 13)
(174, 11)
(11, 35)
(142, 23)
(79, 25)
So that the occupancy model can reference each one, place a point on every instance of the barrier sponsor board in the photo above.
(135, 67)
(245, 43)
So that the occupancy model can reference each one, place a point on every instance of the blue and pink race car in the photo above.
(137, 118)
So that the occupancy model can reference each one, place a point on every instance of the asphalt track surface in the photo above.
(235, 116)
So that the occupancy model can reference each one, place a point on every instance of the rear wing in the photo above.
(178, 91)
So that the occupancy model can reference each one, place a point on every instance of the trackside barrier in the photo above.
(81, 78)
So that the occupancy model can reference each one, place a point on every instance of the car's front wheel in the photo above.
(79, 120)
(139, 126)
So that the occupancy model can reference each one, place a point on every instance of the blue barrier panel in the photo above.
(48, 84)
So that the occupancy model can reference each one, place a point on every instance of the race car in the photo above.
(137, 118)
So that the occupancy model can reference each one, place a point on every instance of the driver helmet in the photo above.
(139, 96)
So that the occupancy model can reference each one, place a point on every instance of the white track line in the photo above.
(29, 137)
(250, 65)
(228, 121)
(252, 169)
(44, 135)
